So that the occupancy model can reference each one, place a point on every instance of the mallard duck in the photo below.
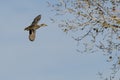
(33, 27)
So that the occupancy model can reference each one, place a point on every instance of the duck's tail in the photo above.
(27, 28)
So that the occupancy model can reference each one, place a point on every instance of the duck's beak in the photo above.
(46, 25)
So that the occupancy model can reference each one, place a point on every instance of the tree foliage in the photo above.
(94, 24)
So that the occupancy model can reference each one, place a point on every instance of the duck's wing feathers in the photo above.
(36, 19)
(32, 35)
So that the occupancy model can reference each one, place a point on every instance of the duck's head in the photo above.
(43, 25)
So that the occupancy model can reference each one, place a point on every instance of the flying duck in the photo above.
(33, 27)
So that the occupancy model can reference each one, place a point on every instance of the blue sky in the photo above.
(52, 56)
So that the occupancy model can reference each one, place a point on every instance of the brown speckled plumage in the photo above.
(33, 27)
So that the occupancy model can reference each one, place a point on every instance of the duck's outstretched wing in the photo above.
(32, 35)
(36, 19)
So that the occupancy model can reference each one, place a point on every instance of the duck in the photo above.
(33, 27)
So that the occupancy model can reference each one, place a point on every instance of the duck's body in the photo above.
(33, 27)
